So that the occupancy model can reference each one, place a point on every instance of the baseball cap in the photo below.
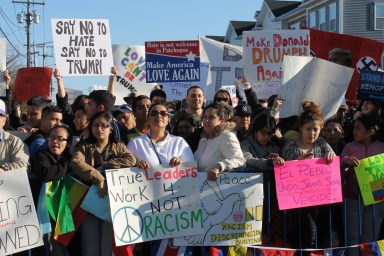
(3, 110)
(122, 109)
(243, 109)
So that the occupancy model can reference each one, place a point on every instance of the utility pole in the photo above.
(35, 17)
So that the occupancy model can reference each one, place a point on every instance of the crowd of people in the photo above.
(147, 131)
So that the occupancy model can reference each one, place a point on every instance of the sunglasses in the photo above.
(163, 113)
(103, 126)
(222, 99)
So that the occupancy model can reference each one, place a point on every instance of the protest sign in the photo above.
(160, 202)
(225, 64)
(308, 182)
(366, 53)
(371, 87)
(3, 64)
(82, 46)
(31, 82)
(20, 229)
(264, 53)
(178, 90)
(72, 94)
(172, 61)
(370, 175)
(317, 80)
(231, 89)
(130, 66)
(98, 206)
(232, 210)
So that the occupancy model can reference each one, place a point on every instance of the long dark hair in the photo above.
(112, 136)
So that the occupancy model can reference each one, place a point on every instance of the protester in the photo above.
(222, 96)
(242, 117)
(101, 151)
(50, 165)
(158, 96)
(159, 147)
(35, 106)
(140, 107)
(81, 121)
(365, 144)
(220, 151)
(185, 126)
(195, 101)
(125, 117)
(14, 153)
(333, 133)
(50, 117)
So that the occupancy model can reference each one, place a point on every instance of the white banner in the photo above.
(317, 80)
(130, 65)
(20, 229)
(82, 46)
(225, 64)
(264, 52)
(232, 210)
(158, 203)
(3, 64)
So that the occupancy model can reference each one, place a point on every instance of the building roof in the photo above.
(280, 7)
(216, 38)
(240, 26)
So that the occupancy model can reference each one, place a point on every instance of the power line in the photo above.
(11, 43)
(14, 8)
(13, 31)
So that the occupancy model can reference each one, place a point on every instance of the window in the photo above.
(295, 26)
(379, 16)
(322, 24)
(312, 20)
(332, 17)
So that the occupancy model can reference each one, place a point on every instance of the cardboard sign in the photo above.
(366, 53)
(157, 203)
(303, 183)
(370, 175)
(317, 80)
(232, 210)
(371, 86)
(20, 229)
(225, 64)
(82, 46)
(31, 82)
(178, 90)
(264, 52)
(231, 89)
(172, 61)
(3, 64)
(130, 66)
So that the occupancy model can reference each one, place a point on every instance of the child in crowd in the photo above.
(365, 144)
(333, 133)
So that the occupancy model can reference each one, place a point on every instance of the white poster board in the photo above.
(317, 80)
(3, 64)
(225, 64)
(154, 204)
(232, 210)
(231, 89)
(20, 229)
(264, 53)
(130, 66)
(82, 46)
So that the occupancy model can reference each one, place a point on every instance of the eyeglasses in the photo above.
(266, 134)
(222, 99)
(54, 139)
(103, 126)
(163, 113)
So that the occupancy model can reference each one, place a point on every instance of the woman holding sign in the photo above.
(100, 151)
(158, 147)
